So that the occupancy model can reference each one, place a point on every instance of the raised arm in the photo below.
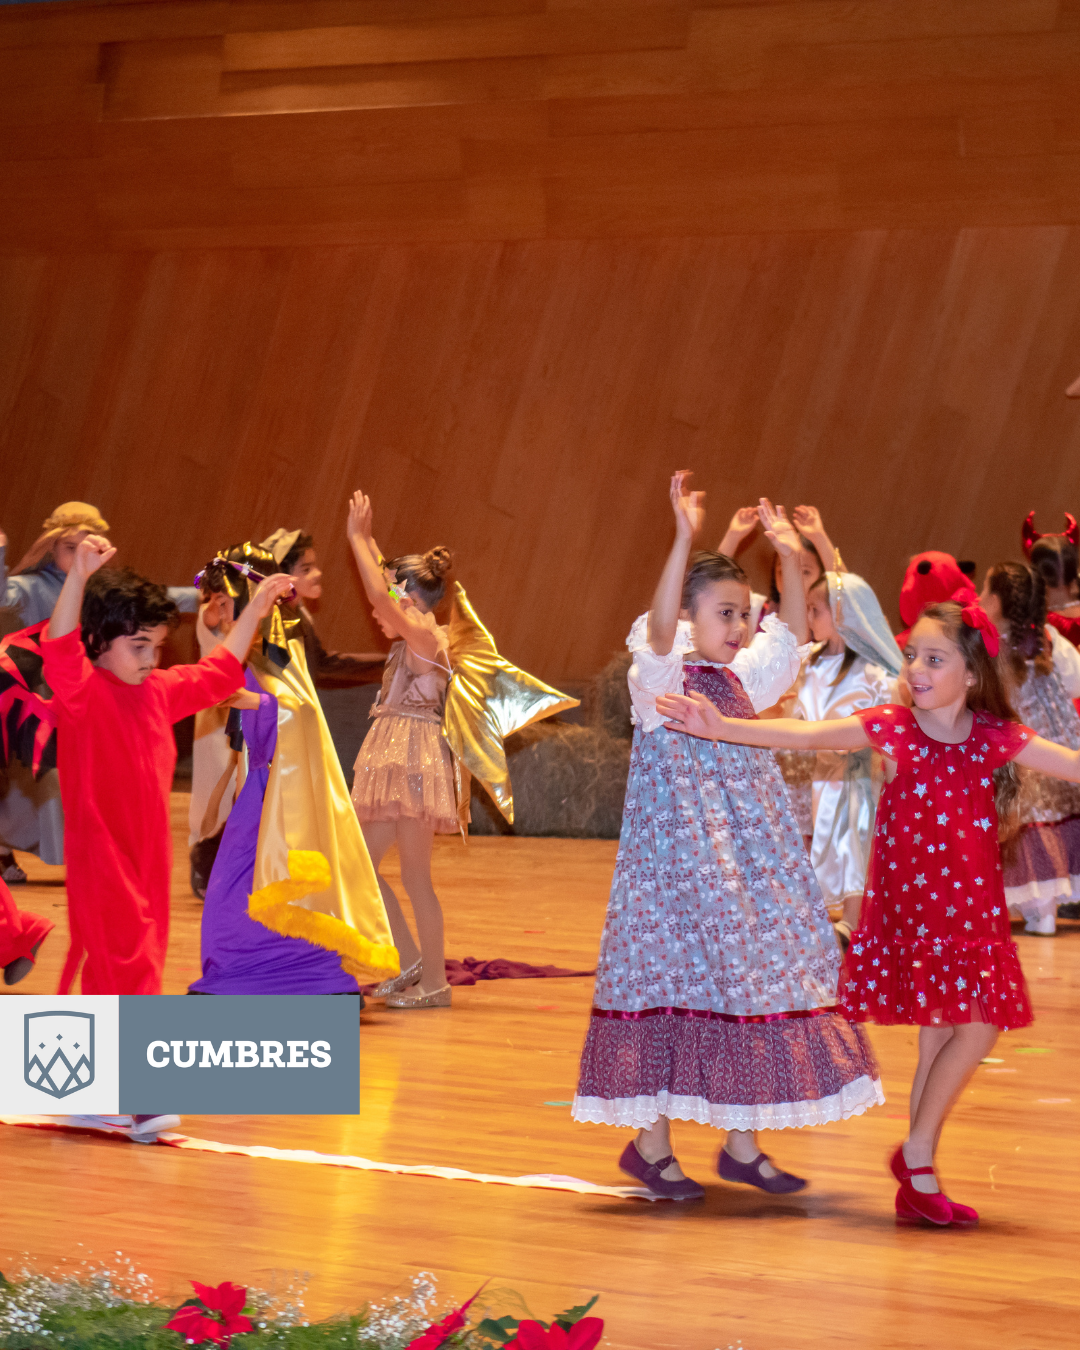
(783, 536)
(406, 621)
(92, 553)
(1057, 761)
(809, 523)
(242, 634)
(689, 508)
(695, 715)
(743, 524)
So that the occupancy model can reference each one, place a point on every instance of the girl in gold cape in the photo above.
(447, 701)
(293, 904)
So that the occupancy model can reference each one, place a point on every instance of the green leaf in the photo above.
(498, 1329)
(567, 1319)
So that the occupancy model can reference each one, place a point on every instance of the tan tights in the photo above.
(948, 1056)
(414, 840)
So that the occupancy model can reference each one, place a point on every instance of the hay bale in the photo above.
(607, 701)
(568, 781)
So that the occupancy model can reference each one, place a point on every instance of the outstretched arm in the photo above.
(407, 622)
(785, 539)
(695, 715)
(1057, 761)
(242, 634)
(92, 553)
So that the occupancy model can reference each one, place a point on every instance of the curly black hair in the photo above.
(118, 603)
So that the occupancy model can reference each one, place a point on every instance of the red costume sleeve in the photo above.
(189, 689)
(888, 730)
(999, 740)
(67, 669)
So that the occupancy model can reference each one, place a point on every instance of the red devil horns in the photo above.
(1030, 536)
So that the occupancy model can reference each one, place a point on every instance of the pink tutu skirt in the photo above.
(405, 768)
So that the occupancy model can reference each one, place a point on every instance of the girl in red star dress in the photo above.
(934, 948)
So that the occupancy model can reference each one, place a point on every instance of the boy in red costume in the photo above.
(116, 757)
(21, 934)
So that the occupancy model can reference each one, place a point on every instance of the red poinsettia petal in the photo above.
(214, 1331)
(235, 1325)
(427, 1340)
(227, 1297)
(534, 1336)
(183, 1319)
(585, 1334)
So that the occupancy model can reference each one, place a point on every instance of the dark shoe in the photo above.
(18, 969)
(634, 1165)
(749, 1174)
(1069, 910)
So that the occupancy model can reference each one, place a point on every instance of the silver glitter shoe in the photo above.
(439, 999)
(405, 980)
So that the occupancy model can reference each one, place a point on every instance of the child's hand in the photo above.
(689, 507)
(779, 531)
(359, 525)
(692, 714)
(244, 698)
(808, 521)
(269, 592)
(743, 522)
(92, 554)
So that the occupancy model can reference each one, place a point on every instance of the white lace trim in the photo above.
(1036, 899)
(640, 1113)
(638, 638)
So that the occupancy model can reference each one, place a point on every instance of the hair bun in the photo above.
(438, 560)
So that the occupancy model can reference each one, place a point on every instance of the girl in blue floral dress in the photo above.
(717, 978)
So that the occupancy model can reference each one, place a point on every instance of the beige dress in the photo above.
(211, 755)
(404, 767)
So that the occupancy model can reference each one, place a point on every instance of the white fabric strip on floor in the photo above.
(538, 1182)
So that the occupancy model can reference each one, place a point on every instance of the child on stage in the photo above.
(934, 948)
(717, 974)
(116, 758)
(21, 934)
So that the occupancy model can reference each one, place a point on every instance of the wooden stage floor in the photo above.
(481, 1087)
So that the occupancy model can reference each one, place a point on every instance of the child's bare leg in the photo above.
(743, 1147)
(414, 849)
(954, 1054)
(655, 1143)
(852, 910)
(379, 835)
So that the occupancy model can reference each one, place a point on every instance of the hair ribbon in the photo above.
(976, 617)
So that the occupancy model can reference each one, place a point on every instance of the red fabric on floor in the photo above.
(470, 971)
(20, 931)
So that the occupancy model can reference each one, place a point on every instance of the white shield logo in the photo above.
(58, 1057)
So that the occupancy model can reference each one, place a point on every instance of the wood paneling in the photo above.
(506, 263)
(524, 403)
(481, 1087)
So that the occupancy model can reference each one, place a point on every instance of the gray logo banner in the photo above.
(240, 1054)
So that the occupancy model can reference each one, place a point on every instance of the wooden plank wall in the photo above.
(507, 262)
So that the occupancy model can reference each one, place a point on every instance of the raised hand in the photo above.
(808, 521)
(359, 523)
(743, 522)
(778, 529)
(689, 507)
(91, 555)
(268, 593)
(692, 714)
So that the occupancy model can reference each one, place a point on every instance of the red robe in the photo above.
(20, 931)
(116, 756)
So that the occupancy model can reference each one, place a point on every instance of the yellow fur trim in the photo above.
(274, 906)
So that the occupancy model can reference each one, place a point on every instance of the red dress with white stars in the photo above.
(934, 945)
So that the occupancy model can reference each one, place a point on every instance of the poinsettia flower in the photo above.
(582, 1335)
(228, 1299)
(195, 1326)
(440, 1332)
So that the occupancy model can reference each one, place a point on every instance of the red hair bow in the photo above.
(976, 617)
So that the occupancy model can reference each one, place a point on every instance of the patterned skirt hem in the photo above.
(853, 1099)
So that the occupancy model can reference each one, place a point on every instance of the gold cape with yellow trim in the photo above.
(488, 700)
(313, 876)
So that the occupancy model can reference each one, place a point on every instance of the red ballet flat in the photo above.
(963, 1216)
(914, 1206)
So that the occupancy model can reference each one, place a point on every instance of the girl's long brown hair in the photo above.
(988, 694)
(1022, 594)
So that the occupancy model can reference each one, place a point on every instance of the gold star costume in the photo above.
(488, 700)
